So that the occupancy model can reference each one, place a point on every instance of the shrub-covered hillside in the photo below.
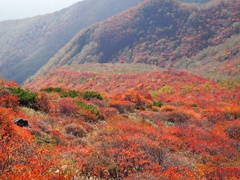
(109, 105)
(195, 1)
(162, 125)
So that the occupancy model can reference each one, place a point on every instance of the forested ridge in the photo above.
(164, 33)
(27, 44)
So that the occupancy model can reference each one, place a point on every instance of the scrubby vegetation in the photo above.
(90, 94)
(132, 121)
(88, 107)
(27, 98)
(174, 125)
(52, 89)
(157, 103)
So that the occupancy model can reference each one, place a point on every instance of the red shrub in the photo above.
(67, 107)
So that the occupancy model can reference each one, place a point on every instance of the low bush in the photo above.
(70, 93)
(88, 107)
(178, 117)
(63, 94)
(122, 106)
(157, 103)
(27, 98)
(233, 132)
(67, 107)
(194, 105)
(75, 130)
(91, 94)
(46, 139)
(51, 89)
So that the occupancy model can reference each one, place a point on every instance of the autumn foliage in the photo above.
(173, 126)
(132, 121)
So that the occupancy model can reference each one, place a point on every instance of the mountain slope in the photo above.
(196, 1)
(162, 125)
(26, 45)
(161, 33)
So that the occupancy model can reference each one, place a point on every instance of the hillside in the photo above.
(166, 33)
(167, 85)
(118, 102)
(166, 125)
(27, 44)
(111, 104)
(195, 1)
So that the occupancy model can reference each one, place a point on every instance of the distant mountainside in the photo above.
(116, 78)
(196, 1)
(165, 33)
(27, 44)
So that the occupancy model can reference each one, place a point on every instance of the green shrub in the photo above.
(27, 98)
(89, 107)
(194, 105)
(63, 94)
(70, 93)
(91, 94)
(157, 104)
(51, 89)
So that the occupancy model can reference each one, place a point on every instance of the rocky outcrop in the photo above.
(21, 122)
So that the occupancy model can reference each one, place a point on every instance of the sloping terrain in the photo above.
(107, 116)
(164, 33)
(27, 44)
(167, 85)
(219, 62)
(166, 125)
(195, 1)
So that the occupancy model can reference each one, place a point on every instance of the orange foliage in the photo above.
(131, 100)
(9, 101)
(14, 143)
(193, 135)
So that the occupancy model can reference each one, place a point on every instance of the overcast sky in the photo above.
(17, 9)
